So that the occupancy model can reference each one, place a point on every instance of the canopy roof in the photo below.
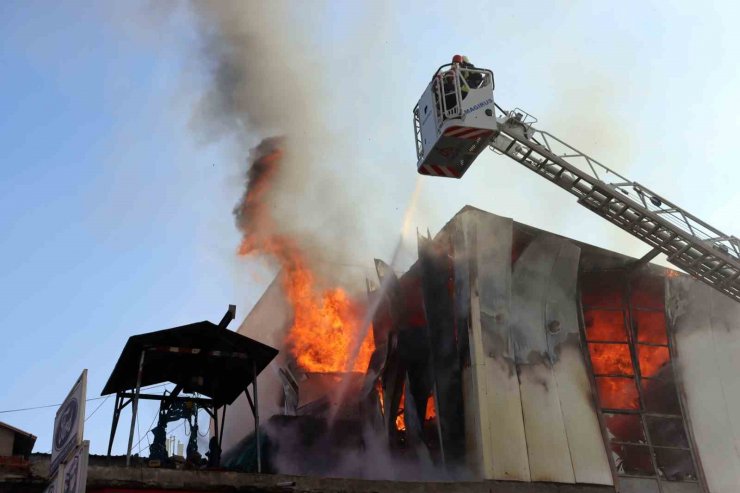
(201, 357)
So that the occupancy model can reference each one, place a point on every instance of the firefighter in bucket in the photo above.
(468, 80)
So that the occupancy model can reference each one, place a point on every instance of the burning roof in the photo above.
(327, 332)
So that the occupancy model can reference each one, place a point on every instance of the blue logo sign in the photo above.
(479, 106)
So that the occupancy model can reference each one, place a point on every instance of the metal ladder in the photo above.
(443, 112)
(689, 243)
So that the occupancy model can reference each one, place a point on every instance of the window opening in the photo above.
(629, 349)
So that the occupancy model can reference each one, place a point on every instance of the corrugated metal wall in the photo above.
(705, 326)
(529, 410)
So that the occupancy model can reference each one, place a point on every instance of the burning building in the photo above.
(508, 353)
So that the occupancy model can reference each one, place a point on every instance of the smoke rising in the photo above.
(325, 321)
(253, 219)
(345, 451)
(262, 81)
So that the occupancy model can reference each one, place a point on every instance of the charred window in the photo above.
(629, 349)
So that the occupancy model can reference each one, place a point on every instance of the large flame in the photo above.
(613, 363)
(325, 325)
(611, 359)
(326, 322)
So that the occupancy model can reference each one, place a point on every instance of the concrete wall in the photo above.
(705, 326)
(103, 477)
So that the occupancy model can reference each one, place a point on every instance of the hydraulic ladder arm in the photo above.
(689, 243)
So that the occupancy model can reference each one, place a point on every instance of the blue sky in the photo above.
(116, 219)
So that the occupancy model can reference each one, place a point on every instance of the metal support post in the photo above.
(214, 416)
(135, 408)
(435, 396)
(116, 413)
(223, 425)
(256, 416)
(645, 258)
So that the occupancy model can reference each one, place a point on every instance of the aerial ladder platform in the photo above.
(456, 119)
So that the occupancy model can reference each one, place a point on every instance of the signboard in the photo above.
(54, 484)
(74, 472)
(68, 423)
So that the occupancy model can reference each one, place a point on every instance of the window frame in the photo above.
(626, 278)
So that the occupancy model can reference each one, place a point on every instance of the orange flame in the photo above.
(672, 273)
(613, 365)
(379, 390)
(652, 359)
(326, 322)
(431, 411)
(400, 421)
(618, 393)
(429, 414)
(610, 359)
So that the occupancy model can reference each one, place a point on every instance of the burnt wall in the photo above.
(705, 328)
(527, 400)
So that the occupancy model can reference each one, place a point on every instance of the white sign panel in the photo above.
(74, 472)
(55, 485)
(69, 423)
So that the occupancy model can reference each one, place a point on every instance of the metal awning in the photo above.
(201, 357)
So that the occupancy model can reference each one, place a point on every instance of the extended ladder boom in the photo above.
(689, 243)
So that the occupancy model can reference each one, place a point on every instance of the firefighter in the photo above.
(473, 79)
(464, 64)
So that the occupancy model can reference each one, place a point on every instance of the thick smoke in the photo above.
(351, 453)
(253, 217)
(264, 96)
(251, 207)
(262, 82)
(258, 84)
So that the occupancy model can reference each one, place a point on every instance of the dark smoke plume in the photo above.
(253, 219)
(262, 81)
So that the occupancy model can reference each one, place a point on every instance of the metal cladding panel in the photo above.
(585, 442)
(547, 444)
(506, 433)
(436, 274)
(502, 401)
(477, 422)
(529, 408)
(705, 326)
